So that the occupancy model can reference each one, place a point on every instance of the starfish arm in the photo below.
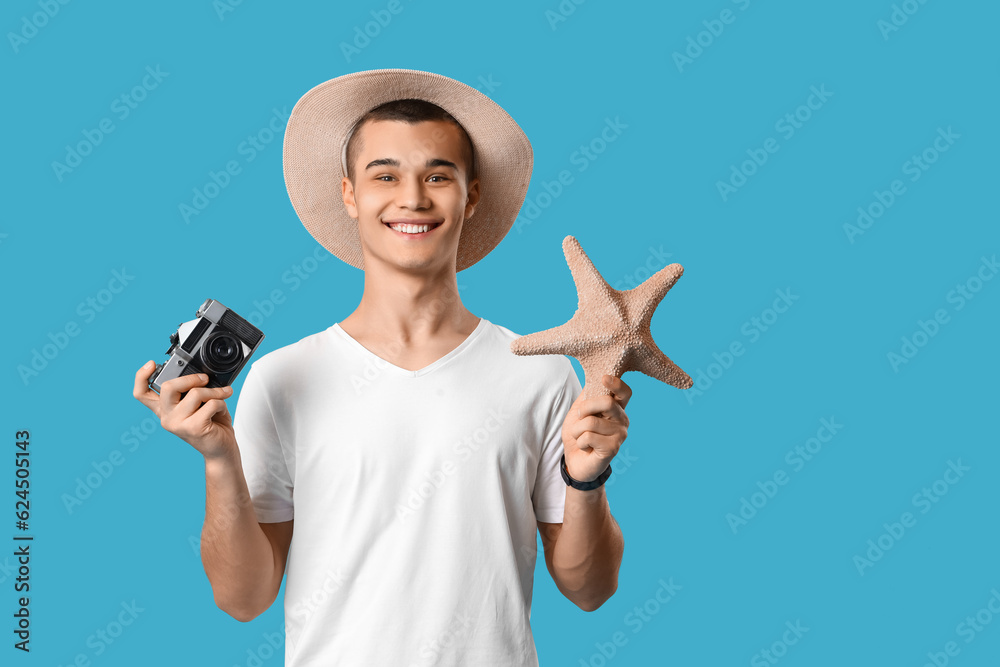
(594, 294)
(649, 360)
(563, 339)
(609, 334)
(593, 387)
(611, 360)
(648, 295)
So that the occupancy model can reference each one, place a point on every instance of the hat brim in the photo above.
(321, 119)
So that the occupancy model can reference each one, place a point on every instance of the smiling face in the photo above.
(410, 193)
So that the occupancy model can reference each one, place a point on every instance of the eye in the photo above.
(383, 177)
(443, 178)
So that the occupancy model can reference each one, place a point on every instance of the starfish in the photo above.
(609, 332)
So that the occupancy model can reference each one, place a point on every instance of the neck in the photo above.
(411, 307)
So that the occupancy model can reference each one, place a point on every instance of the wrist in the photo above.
(583, 484)
(222, 462)
(578, 475)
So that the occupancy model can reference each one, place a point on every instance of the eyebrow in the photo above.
(393, 162)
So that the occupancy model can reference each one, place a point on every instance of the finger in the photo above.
(599, 405)
(605, 445)
(192, 402)
(223, 417)
(141, 391)
(621, 391)
(201, 424)
(171, 390)
(592, 424)
(214, 409)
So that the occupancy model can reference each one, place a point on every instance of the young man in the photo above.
(417, 454)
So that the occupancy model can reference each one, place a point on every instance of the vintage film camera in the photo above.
(218, 343)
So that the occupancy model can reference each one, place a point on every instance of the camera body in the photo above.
(218, 342)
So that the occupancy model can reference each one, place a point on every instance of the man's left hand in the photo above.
(595, 429)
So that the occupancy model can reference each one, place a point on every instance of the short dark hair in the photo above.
(409, 111)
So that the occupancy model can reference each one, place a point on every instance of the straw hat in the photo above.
(316, 138)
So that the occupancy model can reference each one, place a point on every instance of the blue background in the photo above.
(695, 455)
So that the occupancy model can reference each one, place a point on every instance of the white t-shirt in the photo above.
(415, 495)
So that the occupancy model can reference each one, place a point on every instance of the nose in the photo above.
(411, 194)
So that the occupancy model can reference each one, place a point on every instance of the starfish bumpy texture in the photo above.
(609, 332)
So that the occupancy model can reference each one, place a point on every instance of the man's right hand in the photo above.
(208, 428)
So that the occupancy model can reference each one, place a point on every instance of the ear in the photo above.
(347, 192)
(473, 198)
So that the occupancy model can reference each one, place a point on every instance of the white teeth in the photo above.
(410, 229)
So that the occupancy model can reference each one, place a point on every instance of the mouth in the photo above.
(415, 229)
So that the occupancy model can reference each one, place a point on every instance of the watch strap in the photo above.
(583, 486)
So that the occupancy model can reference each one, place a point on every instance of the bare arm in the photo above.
(584, 552)
(244, 559)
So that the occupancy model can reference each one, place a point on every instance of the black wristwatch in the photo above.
(583, 486)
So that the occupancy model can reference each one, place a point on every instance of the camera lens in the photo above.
(222, 352)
